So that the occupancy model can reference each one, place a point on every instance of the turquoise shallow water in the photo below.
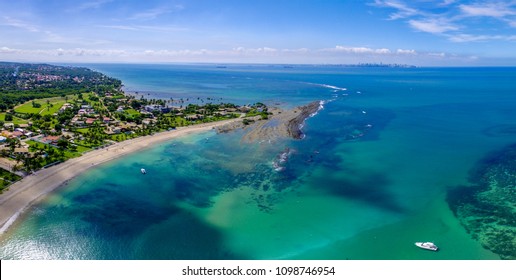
(371, 174)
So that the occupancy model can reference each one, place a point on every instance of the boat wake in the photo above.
(334, 88)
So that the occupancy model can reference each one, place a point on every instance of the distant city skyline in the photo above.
(421, 32)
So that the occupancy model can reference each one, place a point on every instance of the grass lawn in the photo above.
(132, 112)
(6, 178)
(83, 130)
(122, 137)
(41, 146)
(47, 108)
(83, 149)
(15, 120)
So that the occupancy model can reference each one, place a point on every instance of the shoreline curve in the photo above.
(24, 193)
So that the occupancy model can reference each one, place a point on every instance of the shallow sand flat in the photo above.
(281, 124)
(25, 192)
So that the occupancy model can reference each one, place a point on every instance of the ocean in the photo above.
(381, 166)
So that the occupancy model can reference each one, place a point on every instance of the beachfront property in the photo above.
(50, 130)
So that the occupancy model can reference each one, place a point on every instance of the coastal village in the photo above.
(42, 132)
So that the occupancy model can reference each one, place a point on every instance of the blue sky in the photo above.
(420, 32)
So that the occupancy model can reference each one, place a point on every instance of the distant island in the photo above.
(50, 114)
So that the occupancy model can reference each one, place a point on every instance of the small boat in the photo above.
(427, 245)
(143, 171)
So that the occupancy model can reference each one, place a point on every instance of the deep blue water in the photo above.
(371, 174)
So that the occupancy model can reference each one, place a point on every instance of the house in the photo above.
(17, 134)
(77, 122)
(89, 121)
(116, 130)
(22, 151)
(159, 108)
(244, 109)
(2, 139)
(6, 133)
(50, 139)
(194, 117)
(65, 106)
(106, 120)
(128, 126)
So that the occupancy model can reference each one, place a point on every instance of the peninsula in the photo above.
(61, 121)
(56, 122)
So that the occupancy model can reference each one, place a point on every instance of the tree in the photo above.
(62, 143)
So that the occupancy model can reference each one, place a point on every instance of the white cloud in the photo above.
(447, 2)
(449, 19)
(154, 13)
(409, 52)
(435, 26)
(92, 5)
(8, 21)
(119, 27)
(148, 15)
(465, 38)
(441, 54)
(496, 10)
(7, 50)
(362, 50)
(339, 54)
(403, 11)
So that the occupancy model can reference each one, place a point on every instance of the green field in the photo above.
(122, 137)
(41, 146)
(132, 112)
(15, 120)
(49, 106)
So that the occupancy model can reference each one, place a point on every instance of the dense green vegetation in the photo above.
(7, 178)
(21, 82)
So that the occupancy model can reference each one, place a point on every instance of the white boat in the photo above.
(427, 245)
(143, 171)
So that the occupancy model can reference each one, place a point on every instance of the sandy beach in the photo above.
(33, 187)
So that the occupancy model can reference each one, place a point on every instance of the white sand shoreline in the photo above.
(25, 192)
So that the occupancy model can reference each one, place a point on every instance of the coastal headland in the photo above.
(280, 124)
(25, 192)
(74, 128)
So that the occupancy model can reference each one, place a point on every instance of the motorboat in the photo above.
(143, 171)
(427, 245)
